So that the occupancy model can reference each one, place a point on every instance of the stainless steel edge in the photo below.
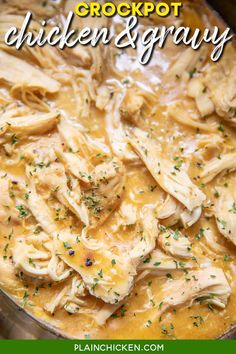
(17, 323)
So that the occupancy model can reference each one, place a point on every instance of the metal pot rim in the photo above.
(230, 334)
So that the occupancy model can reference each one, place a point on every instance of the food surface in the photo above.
(117, 181)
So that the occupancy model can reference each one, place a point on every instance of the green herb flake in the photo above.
(23, 213)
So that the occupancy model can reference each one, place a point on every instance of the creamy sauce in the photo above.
(139, 316)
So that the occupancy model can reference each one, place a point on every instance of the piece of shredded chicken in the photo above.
(147, 233)
(172, 212)
(27, 125)
(214, 90)
(174, 242)
(225, 211)
(23, 76)
(94, 264)
(104, 194)
(207, 286)
(53, 178)
(197, 90)
(219, 79)
(190, 119)
(158, 262)
(81, 150)
(222, 164)
(7, 204)
(137, 103)
(71, 297)
(115, 127)
(174, 181)
(107, 274)
(187, 62)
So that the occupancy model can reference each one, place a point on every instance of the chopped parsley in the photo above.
(23, 213)
(67, 245)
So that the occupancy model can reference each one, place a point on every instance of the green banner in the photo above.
(116, 346)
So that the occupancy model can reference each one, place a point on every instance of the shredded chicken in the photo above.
(211, 241)
(209, 146)
(197, 90)
(21, 75)
(27, 125)
(190, 218)
(189, 119)
(220, 82)
(128, 214)
(54, 178)
(159, 262)
(174, 243)
(137, 103)
(82, 150)
(171, 212)
(108, 181)
(41, 211)
(225, 212)
(31, 260)
(105, 313)
(187, 62)
(115, 129)
(206, 285)
(147, 234)
(215, 89)
(71, 297)
(223, 163)
(110, 281)
(7, 204)
(174, 181)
